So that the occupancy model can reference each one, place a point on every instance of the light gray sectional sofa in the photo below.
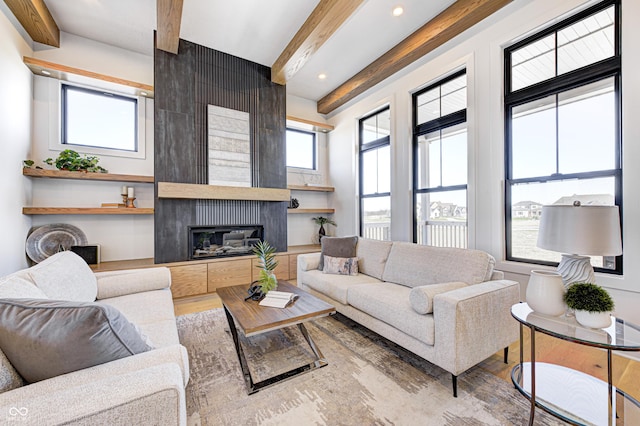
(446, 305)
(126, 315)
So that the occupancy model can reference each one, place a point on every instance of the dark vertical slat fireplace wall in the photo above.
(184, 85)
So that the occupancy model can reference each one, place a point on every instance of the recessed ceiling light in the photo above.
(45, 72)
(322, 76)
(397, 11)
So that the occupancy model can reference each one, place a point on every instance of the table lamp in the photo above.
(580, 232)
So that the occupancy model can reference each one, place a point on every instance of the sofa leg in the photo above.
(454, 382)
(506, 355)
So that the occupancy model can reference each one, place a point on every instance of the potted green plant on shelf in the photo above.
(322, 221)
(72, 161)
(267, 263)
(592, 304)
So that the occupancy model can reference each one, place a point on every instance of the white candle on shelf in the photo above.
(123, 191)
(130, 192)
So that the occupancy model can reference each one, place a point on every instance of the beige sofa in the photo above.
(144, 388)
(446, 305)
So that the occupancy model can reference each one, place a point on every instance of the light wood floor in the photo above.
(626, 372)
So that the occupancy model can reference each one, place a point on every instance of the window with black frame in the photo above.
(563, 126)
(301, 149)
(375, 175)
(440, 163)
(99, 119)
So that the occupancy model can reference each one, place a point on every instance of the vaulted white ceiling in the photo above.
(256, 30)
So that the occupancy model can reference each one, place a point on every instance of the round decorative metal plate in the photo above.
(48, 240)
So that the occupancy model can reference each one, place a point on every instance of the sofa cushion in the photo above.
(47, 338)
(337, 247)
(336, 286)
(414, 265)
(152, 311)
(372, 256)
(9, 377)
(340, 265)
(421, 297)
(389, 303)
(18, 285)
(65, 276)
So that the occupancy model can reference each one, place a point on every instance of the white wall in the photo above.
(120, 237)
(300, 229)
(480, 51)
(15, 128)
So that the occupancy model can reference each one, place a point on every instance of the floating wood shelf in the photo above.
(215, 192)
(64, 174)
(317, 126)
(77, 75)
(86, 210)
(311, 188)
(312, 211)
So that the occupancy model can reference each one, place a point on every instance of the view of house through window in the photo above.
(301, 149)
(375, 175)
(563, 130)
(440, 163)
(99, 119)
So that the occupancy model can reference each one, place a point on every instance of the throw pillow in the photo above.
(17, 286)
(337, 247)
(421, 297)
(47, 338)
(340, 265)
(65, 276)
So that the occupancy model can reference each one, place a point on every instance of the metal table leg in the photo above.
(533, 375)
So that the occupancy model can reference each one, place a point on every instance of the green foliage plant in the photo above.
(588, 297)
(71, 160)
(323, 221)
(267, 263)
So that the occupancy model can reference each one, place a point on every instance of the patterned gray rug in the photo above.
(369, 381)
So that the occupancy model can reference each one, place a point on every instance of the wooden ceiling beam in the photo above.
(325, 19)
(454, 20)
(169, 16)
(35, 18)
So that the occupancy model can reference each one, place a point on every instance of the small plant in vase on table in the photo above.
(267, 263)
(591, 303)
(322, 221)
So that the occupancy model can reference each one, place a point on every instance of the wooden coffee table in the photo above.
(252, 319)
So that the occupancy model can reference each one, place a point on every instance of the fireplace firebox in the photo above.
(223, 241)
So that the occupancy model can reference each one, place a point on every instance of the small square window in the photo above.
(99, 119)
(301, 149)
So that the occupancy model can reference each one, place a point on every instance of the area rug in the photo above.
(369, 381)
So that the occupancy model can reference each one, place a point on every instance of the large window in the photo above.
(563, 128)
(440, 163)
(301, 149)
(92, 118)
(375, 175)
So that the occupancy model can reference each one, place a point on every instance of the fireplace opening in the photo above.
(223, 241)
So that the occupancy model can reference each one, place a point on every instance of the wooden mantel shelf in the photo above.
(64, 174)
(85, 211)
(215, 192)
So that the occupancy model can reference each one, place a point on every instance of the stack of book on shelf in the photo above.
(278, 299)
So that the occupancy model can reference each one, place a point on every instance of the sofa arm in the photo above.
(474, 322)
(308, 262)
(154, 395)
(120, 283)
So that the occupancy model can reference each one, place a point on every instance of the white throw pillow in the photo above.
(65, 276)
(421, 297)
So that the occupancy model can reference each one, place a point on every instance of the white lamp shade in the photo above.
(586, 230)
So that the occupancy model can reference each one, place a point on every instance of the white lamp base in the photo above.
(575, 268)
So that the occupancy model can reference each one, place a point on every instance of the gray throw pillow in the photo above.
(337, 247)
(47, 338)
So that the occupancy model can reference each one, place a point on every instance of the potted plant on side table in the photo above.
(591, 303)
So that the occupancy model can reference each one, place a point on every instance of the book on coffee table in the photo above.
(278, 299)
